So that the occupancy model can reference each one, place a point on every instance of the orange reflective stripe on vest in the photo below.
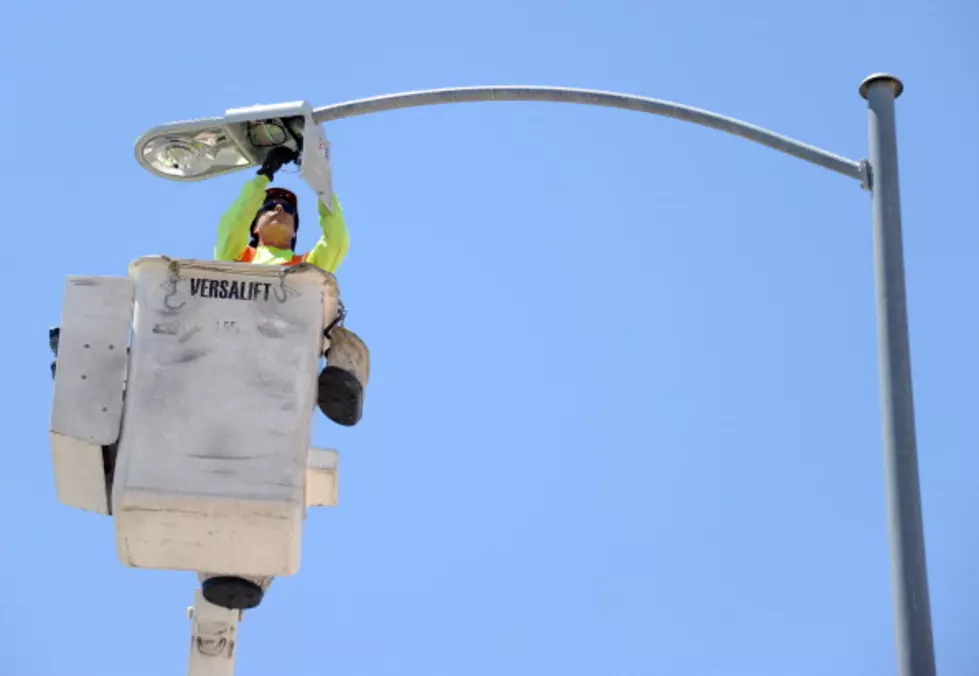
(248, 255)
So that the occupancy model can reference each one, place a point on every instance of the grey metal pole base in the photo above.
(916, 656)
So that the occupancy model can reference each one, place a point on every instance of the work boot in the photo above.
(340, 394)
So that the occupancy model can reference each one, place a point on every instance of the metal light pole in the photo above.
(909, 572)
(879, 175)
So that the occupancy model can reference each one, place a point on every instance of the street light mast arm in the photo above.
(642, 104)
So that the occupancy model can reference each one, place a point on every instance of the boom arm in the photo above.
(213, 638)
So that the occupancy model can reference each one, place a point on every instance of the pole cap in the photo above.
(894, 81)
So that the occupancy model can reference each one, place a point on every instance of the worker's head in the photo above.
(277, 222)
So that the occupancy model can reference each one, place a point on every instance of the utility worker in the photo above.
(262, 224)
(261, 227)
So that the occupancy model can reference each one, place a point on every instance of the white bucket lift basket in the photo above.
(207, 421)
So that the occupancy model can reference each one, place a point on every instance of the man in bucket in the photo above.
(261, 227)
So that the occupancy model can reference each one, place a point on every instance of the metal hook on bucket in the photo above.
(174, 268)
(282, 284)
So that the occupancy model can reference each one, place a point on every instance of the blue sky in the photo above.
(623, 417)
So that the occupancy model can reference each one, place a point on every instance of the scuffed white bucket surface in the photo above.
(220, 391)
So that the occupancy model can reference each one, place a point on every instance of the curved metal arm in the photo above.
(641, 104)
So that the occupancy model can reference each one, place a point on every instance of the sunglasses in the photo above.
(286, 206)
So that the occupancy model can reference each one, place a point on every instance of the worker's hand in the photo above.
(277, 157)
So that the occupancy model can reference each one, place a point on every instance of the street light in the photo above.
(191, 145)
(916, 652)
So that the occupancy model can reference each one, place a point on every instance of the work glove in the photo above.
(277, 157)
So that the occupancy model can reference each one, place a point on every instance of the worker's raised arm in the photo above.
(234, 232)
(334, 243)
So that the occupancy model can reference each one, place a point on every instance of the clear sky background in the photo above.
(623, 417)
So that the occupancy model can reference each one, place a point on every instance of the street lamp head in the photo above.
(200, 149)
(197, 150)
(870, 80)
(189, 153)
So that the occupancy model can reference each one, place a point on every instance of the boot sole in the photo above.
(340, 396)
